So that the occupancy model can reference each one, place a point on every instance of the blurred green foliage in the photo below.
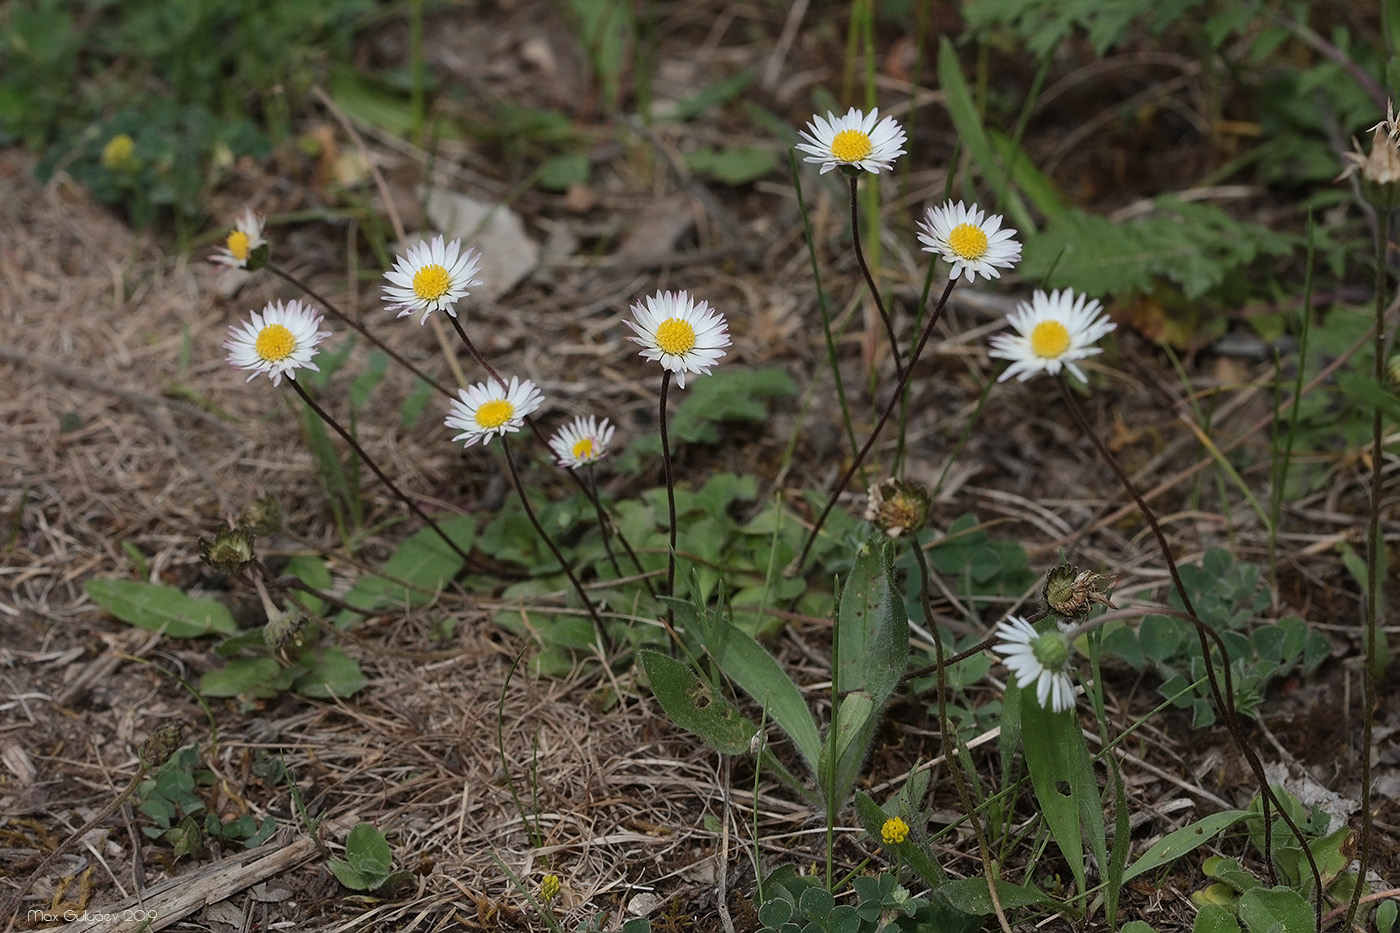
(195, 84)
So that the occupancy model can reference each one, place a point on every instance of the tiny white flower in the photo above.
(484, 410)
(1052, 331)
(581, 442)
(278, 342)
(1037, 659)
(681, 334)
(855, 140)
(973, 245)
(432, 277)
(243, 239)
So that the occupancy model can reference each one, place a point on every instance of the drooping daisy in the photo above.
(243, 239)
(1037, 659)
(432, 277)
(681, 334)
(279, 341)
(1052, 331)
(581, 442)
(484, 410)
(854, 141)
(972, 244)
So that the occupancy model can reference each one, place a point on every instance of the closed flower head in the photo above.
(1051, 332)
(972, 244)
(431, 277)
(581, 442)
(683, 335)
(854, 143)
(243, 241)
(482, 411)
(278, 342)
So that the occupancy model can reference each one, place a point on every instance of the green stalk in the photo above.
(1374, 546)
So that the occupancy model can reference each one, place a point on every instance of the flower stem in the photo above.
(540, 436)
(870, 281)
(549, 542)
(949, 735)
(360, 328)
(1224, 701)
(670, 504)
(369, 461)
(1374, 591)
(606, 528)
(796, 566)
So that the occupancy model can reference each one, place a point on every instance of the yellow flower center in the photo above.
(118, 152)
(431, 282)
(275, 343)
(675, 336)
(583, 450)
(851, 146)
(238, 244)
(494, 413)
(1049, 340)
(968, 241)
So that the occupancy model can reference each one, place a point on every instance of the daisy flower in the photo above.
(432, 277)
(1037, 659)
(278, 342)
(581, 442)
(855, 141)
(971, 244)
(1052, 331)
(242, 241)
(681, 334)
(484, 410)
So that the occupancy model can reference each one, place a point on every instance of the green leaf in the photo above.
(158, 608)
(365, 382)
(970, 895)
(368, 850)
(563, 171)
(260, 678)
(1136, 926)
(1057, 757)
(753, 669)
(736, 165)
(1276, 910)
(312, 571)
(719, 92)
(368, 101)
(421, 567)
(1176, 844)
(694, 706)
(1195, 246)
(968, 121)
(1385, 916)
(872, 627)
(1215, 919)
(333, 674)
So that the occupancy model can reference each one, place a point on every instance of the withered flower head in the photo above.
(163, 743)
(1071, 592)
(897, 506)
(1379, 170)
(287, 633)
(229, 551)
